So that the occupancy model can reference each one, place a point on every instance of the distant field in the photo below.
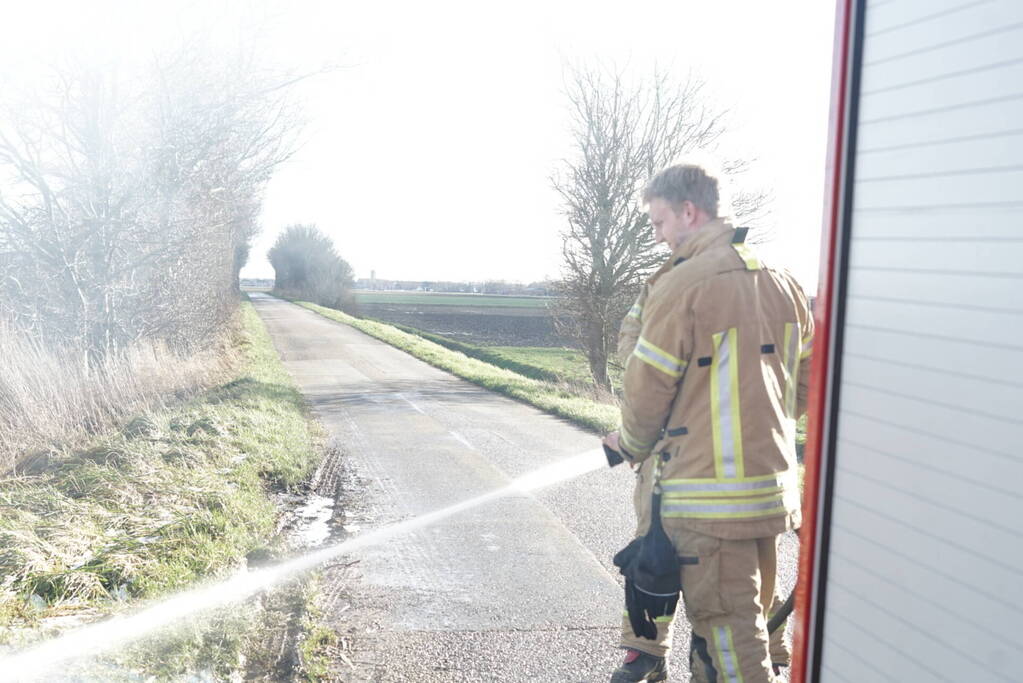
(451, 299)
(486, 319)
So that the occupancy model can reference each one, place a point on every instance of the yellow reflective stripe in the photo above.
(774, 512)
(806, 343)
(747, 256)
(632, 446)
(659, 620)
(732, 504)
(727, 656)
(724, 406)
(636, 311)
(658, 358)
(760, 477)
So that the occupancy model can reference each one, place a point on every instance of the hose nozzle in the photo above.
(613, 456)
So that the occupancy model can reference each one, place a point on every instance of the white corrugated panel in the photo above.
(925, 555)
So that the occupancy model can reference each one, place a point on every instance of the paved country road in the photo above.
(519, 589)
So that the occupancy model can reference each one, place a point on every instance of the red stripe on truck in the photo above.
(817, 405)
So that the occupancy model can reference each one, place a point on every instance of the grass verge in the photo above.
(560, 401)
(317, 648)
(568, 365)
(180, 494)
(561, 365)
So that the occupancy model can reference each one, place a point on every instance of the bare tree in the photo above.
(128, 201)
(624, 133)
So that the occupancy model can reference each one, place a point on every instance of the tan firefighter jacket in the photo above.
(714, 385)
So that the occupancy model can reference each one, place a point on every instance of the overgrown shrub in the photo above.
(308, 267)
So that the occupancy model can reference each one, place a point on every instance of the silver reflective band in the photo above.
(723, 636)
(657, 358)
(724, 367)
(723, 507)
(807, 348)
(721, 486)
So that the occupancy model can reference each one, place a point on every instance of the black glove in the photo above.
(653, 577)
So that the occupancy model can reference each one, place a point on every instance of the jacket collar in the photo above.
(714, 232)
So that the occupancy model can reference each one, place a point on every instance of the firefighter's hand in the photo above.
(612, 442)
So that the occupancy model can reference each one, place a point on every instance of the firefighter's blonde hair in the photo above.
(685, 182)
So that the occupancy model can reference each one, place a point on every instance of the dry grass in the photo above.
(51, 398)
(176, 496)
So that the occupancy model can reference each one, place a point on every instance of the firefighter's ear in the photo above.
(687, 211)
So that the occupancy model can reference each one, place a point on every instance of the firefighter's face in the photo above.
(671, 226)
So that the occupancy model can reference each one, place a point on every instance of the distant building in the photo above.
(256, 283)
(488, 287)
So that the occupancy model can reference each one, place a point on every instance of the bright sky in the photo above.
(428, 154)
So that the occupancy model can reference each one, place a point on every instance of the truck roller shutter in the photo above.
(913, 542)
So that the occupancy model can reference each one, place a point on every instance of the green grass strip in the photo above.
(569, 365)
(598, 417)
(518, 365)
(547, 364)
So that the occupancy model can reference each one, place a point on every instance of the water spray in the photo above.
(94, 639)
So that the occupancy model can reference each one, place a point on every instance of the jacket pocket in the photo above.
(641, 495)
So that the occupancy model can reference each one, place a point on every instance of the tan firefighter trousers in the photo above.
(724, 594)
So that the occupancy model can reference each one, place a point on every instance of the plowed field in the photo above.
(493, 321)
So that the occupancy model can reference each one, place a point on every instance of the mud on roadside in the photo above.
(298, 640)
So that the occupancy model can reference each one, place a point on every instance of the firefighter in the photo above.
(643, 656)
(712, 390)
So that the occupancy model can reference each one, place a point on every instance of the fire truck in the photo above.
(912, 547)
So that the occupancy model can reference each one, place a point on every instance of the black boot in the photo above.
(640, 666)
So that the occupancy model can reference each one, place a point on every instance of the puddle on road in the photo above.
(314, 526)
(311, 520)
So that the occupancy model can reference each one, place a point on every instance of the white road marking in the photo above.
(404, 398)
(462, 440)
